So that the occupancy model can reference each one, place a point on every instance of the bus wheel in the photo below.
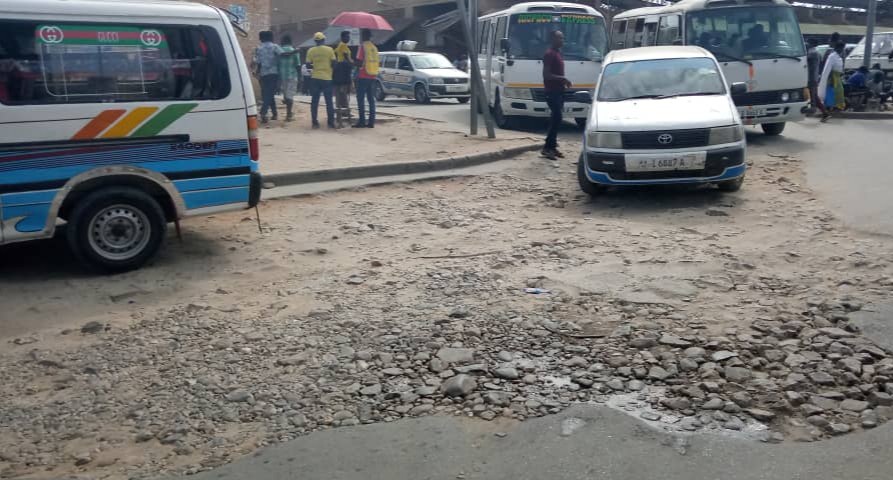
(464, 99)
(379, 92)
(581, 122)
(116, 229)
(421, 95)
(502, 120)
(773, 128)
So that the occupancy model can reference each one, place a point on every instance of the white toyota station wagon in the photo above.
(662, 115)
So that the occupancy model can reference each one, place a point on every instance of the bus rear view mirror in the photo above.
(505, 45)
(738, 88)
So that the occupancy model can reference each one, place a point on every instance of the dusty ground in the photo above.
(294, 146)
(692, 309)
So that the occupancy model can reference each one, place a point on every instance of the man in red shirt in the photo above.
(555, 84)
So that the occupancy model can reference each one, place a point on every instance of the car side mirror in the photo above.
(738, 88)
(584, 97)
(505, 45)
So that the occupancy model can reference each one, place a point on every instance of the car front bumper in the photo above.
(609, 168)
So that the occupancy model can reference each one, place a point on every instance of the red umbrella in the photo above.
(361, 20)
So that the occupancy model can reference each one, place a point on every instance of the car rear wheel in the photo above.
(116, 229)
(581, 122)
(589, 188)
(379, 92)
(773, 128)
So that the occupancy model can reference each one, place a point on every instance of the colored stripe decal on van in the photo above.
(98, 124)
(163, 119)
(130, 122)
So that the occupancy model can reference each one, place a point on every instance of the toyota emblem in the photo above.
(665, 139)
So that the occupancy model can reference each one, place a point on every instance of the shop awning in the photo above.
(333, 34)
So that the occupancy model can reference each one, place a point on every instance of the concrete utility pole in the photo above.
(869, 32)
(477, 86)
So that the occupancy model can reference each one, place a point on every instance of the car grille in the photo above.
(658, 139)
(539, 95)
(763, 98)
(455, 81)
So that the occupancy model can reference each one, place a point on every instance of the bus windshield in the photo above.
(748, 33)
(584, 35)
(881, 45)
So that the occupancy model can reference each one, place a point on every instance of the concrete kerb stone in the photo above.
(390, 169)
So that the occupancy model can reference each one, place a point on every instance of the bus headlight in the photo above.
(721, 135)
(785, 96)
(520, 93)
(435, 81)
(604, 140)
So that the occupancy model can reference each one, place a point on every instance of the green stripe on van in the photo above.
(163, 119)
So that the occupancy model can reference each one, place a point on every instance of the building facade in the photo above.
(254, 16)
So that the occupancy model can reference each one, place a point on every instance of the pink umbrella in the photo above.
(361, 20)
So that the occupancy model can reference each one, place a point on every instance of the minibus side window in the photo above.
(58, 63)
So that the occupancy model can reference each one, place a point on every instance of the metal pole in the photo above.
(869, 32)
(472, 20)
(475, 69)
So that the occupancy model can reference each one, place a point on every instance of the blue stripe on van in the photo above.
(213, 198)
(33, 217)
(195, 184)
(27, 198)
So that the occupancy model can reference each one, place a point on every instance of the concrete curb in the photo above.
(864, 115)
(391, 169)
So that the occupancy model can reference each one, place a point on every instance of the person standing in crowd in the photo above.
(813, 59)
(342, 78)
(555, 84)
(289, 71)
(368, 62)
(321, 59)
(831, 82)
(266, 61)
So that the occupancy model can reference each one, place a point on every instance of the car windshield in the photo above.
(748, 33)
(434, 60)
(881, 45)
(584, 35)
(660, 79)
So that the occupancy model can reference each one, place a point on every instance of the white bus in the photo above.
(511, 48)
(757, 42)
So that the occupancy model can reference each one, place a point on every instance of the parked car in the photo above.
(662, 115)
(421, 76)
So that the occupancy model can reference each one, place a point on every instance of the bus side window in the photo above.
(668, 31)
(500, 34)
(485, 37)
(619, 33)
(639, 34)
(650, 33)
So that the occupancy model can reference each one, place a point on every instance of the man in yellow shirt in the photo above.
(321, 59)
(342, 79)
(367, 79)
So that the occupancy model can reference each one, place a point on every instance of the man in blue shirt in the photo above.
(858, 80)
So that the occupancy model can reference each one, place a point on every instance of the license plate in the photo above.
(665, 162)
(456, 88)
(751, 112)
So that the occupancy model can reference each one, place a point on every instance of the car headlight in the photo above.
(785, 96)
(521, 93)
(436, 81)
(604, 140)
(721, 135)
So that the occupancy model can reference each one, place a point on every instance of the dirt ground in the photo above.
(335, 314)
(295, 146)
